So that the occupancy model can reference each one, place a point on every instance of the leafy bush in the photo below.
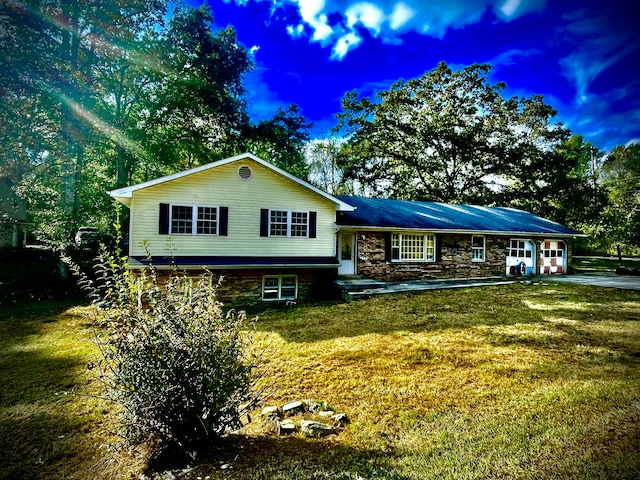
(171, 358)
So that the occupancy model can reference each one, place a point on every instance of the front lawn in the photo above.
(602, 264)
(498, 382)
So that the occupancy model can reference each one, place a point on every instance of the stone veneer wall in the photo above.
(242, 288)
(453, 260)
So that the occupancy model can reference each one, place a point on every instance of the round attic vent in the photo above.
(244, 172)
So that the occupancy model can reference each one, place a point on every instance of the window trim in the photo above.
(526, 253)
(290, 223)
(194, 219)
(483, 249)
(278, 289)
(425, 248)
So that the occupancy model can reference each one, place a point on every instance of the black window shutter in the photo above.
(312, 224)
(163, 223)
(264, 222)
(437, 240)
(224, 221)
(387, 246)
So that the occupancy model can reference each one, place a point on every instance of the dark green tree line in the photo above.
(619, 223)
(98, 95)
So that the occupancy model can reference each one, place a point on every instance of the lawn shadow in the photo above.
(271, 457)
(404, 313)
(46, 417)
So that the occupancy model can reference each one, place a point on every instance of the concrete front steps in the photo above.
(355, 288)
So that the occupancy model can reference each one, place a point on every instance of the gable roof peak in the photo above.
(122, 194)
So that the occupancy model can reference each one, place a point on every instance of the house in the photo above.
(275, 237)
(394, 240)
(270, 234)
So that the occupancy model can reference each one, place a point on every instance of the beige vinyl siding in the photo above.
(221, 186)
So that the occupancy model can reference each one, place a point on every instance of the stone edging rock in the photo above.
(273, 418)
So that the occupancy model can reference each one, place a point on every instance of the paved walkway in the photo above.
(357, 288)
(610, 280)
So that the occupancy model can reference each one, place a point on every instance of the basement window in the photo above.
(279, 287)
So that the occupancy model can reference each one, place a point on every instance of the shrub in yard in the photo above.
(173, 360)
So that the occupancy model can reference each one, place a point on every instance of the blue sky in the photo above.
(583, 56)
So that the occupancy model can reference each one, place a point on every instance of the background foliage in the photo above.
(96, 96)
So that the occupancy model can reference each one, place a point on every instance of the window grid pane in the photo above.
(412, 247)
(298, 224)
(431, 247)
(270, 290)
(280, 288)
(278, 226)
(207, 221)
(477, 248)
(181, 219)
(288, 287)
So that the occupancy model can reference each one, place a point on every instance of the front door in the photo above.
(347, 254)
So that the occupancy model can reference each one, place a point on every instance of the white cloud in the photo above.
(509, 57)
(295, 31)
(510, 7)
(336, 22)
(400, 15)
(367, 14)
(344, 45)
(312, 13)
(594, 53)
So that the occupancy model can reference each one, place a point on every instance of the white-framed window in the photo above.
(477, 248)
(553, 249)
(288, 223)
(194, 219)
(413, 248)
(279, 287)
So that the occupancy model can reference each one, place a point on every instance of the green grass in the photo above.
(599, 264)
(499, 382)
(52, 423)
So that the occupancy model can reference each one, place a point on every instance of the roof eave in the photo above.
(371, 228)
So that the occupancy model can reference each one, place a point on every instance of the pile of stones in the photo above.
(318, 419)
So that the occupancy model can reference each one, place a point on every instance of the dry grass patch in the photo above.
(500, 382)
(524, 382)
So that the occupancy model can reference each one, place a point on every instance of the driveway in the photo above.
(597, 280)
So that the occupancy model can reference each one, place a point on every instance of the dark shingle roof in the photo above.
(401, 214)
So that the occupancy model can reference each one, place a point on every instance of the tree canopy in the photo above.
(448, 136)
(98, 95)
(621, 181)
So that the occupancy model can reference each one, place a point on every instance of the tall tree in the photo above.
(621, 179)
(573, 195)
(322, 157)
(446, 136)
(175, 96)
(281, 140)
(52, 50)
(201, 109)
(97, 95)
